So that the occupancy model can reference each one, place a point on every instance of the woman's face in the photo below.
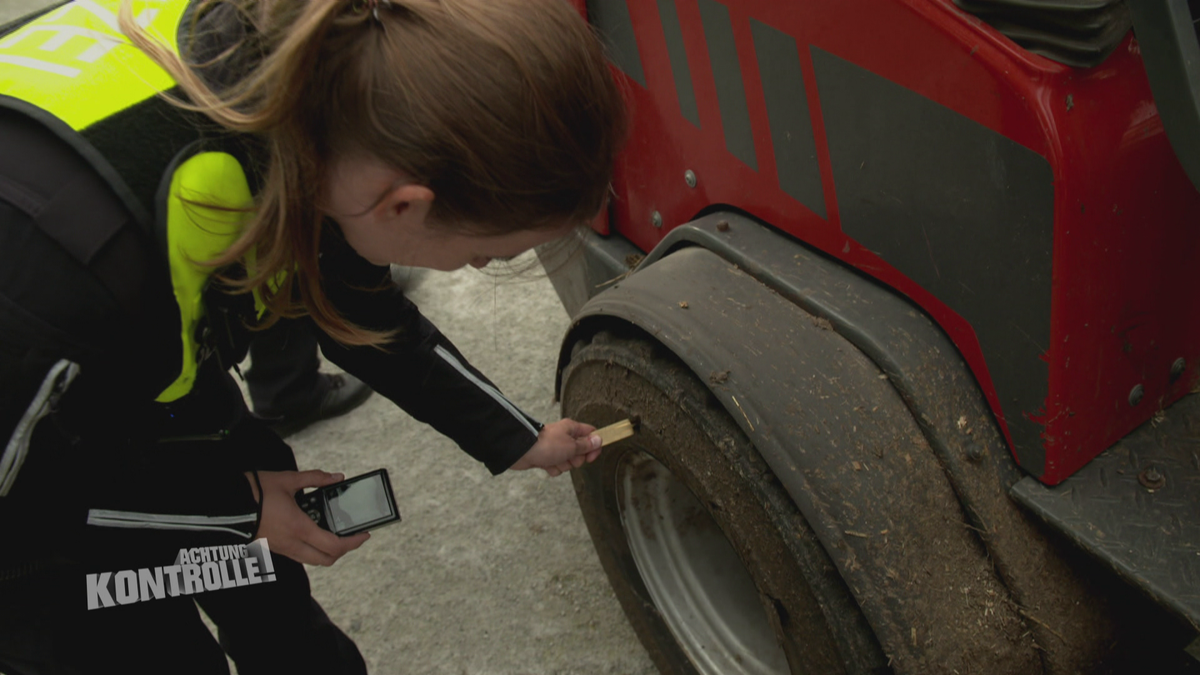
(386, 220)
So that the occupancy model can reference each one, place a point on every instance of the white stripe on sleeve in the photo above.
(134, 525)
(162, 521)
(487, 388)
(172, 518)
(55, 383)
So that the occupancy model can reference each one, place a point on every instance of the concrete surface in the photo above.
(485, 575)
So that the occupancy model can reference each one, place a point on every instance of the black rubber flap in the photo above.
(1079, 33)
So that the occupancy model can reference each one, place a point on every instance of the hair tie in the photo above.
(375, 8)
(372, 6)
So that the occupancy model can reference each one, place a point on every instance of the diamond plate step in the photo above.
(1149, 536)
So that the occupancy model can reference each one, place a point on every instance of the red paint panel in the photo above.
(1122, 306)
(1126, 240)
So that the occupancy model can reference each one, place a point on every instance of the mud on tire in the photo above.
(713, 564)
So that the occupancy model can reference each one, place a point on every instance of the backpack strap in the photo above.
(45, 182)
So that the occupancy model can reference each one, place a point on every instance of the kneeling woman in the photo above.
(250, 162)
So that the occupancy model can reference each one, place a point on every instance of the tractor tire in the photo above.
(715, 567)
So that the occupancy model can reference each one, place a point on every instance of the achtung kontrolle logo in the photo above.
(196, 570)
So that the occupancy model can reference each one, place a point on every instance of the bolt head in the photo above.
(689, 177)
(1136, 396)
(1152, 479)
(1177, 369)
(656, 219)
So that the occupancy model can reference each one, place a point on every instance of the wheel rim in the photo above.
(695, 578)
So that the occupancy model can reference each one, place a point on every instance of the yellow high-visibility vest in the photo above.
(73, 70)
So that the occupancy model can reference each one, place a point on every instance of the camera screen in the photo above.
(358, 503)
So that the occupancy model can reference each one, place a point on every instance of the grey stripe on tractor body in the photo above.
(680, 67)
(612, 19)
(961, 210)
(731, 89)
(787, 109)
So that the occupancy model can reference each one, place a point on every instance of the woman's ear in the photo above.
(407, 204)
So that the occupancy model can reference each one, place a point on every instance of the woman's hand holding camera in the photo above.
(288, 530)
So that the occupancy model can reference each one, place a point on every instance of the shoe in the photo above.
(343, 393)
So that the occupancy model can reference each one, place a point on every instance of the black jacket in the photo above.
(92, 469)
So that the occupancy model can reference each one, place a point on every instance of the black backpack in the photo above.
(74, 263)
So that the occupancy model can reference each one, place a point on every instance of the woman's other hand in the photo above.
(287, 529)
(560, 447)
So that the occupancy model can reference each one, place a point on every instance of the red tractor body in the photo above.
(1114, 230)
(862, 255)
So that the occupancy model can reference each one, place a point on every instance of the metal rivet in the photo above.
(1152, 479)
(689, 177)
(722, 226)
(656, 219)
(1177, 369)
(1135, 396)
(975, 452)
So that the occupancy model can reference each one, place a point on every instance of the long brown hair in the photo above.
(506, 109)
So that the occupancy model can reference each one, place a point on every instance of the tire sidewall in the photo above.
(689, 434)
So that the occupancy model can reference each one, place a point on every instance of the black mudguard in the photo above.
(868, 416)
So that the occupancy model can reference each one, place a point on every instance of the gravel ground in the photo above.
(485, 575)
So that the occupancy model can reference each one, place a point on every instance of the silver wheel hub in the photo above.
(695, 578)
